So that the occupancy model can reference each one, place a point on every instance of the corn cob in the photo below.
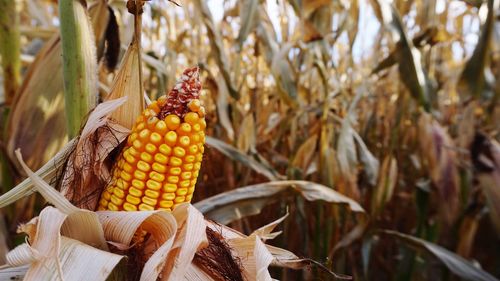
(159, 165)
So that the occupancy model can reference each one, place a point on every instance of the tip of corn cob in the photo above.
(186, 89)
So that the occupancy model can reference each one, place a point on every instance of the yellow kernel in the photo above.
(186, 175)
(152, 122)
(202, 136)
(197, 165)
(196, 127)
(159, 168)
(118, 193)
(132, 138)
(161, 127)
(145, 207)
(128, 157)
(171, 138)
(195, 174)
(140, 175)
(133, 200)
(133, 151)
(117, 201)
(201, 112)
(103, 202)
(191, 190)
(112, 207)
(143, 166)
(160, 158)
(125, 176)
(191, 118)
(190, 158)
(161, 100)
(202, 123)
(185, 183)
(173, 179)
(138, 184)
(184, 129)
(166, 203)
(169, 187)
(101, 208)
(179, 152)
(140, 126)
(129, 207)
(173, 121)
(153, 185)
(135, 192)
(184, 141)
(194, 105)
(175, 171)
(127, 167)
(137, 144)
(152, 193)
(122, 184)
(146, 157)
(165, 209)
(187, 167)
(169, 195)
(156, 176)
(180, 199)
(193, 182)
(193, 149)
(149, 201)
(181, 191)
(165, 149)
(195, 138)
(151, 148)
(154, 106)
(106, 195)
(189, 197)
(201, 147)
(155, 138)
(144, 134)
(199, 157)
(174, 161)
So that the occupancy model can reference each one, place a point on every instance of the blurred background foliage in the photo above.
(394, 104)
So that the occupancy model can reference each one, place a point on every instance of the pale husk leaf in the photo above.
(127, 84)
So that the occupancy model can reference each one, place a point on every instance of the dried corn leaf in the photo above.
(37, 120)
(485, 154)
(305, 154)
(455, 263)
(410, 66)
(249, 200)
(472, 79)
(216, 46)
(437, 149)
(246, 136)
(237, 155)
(386, 183)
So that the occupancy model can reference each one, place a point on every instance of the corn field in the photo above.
(327, 140)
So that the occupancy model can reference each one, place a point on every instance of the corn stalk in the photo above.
(79, 63)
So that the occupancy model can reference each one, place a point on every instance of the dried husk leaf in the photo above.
(85, 174)
(127, 84)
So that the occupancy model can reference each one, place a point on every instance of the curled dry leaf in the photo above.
(437, 149)
(85, 173)
(385, 186)
(485, 154)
